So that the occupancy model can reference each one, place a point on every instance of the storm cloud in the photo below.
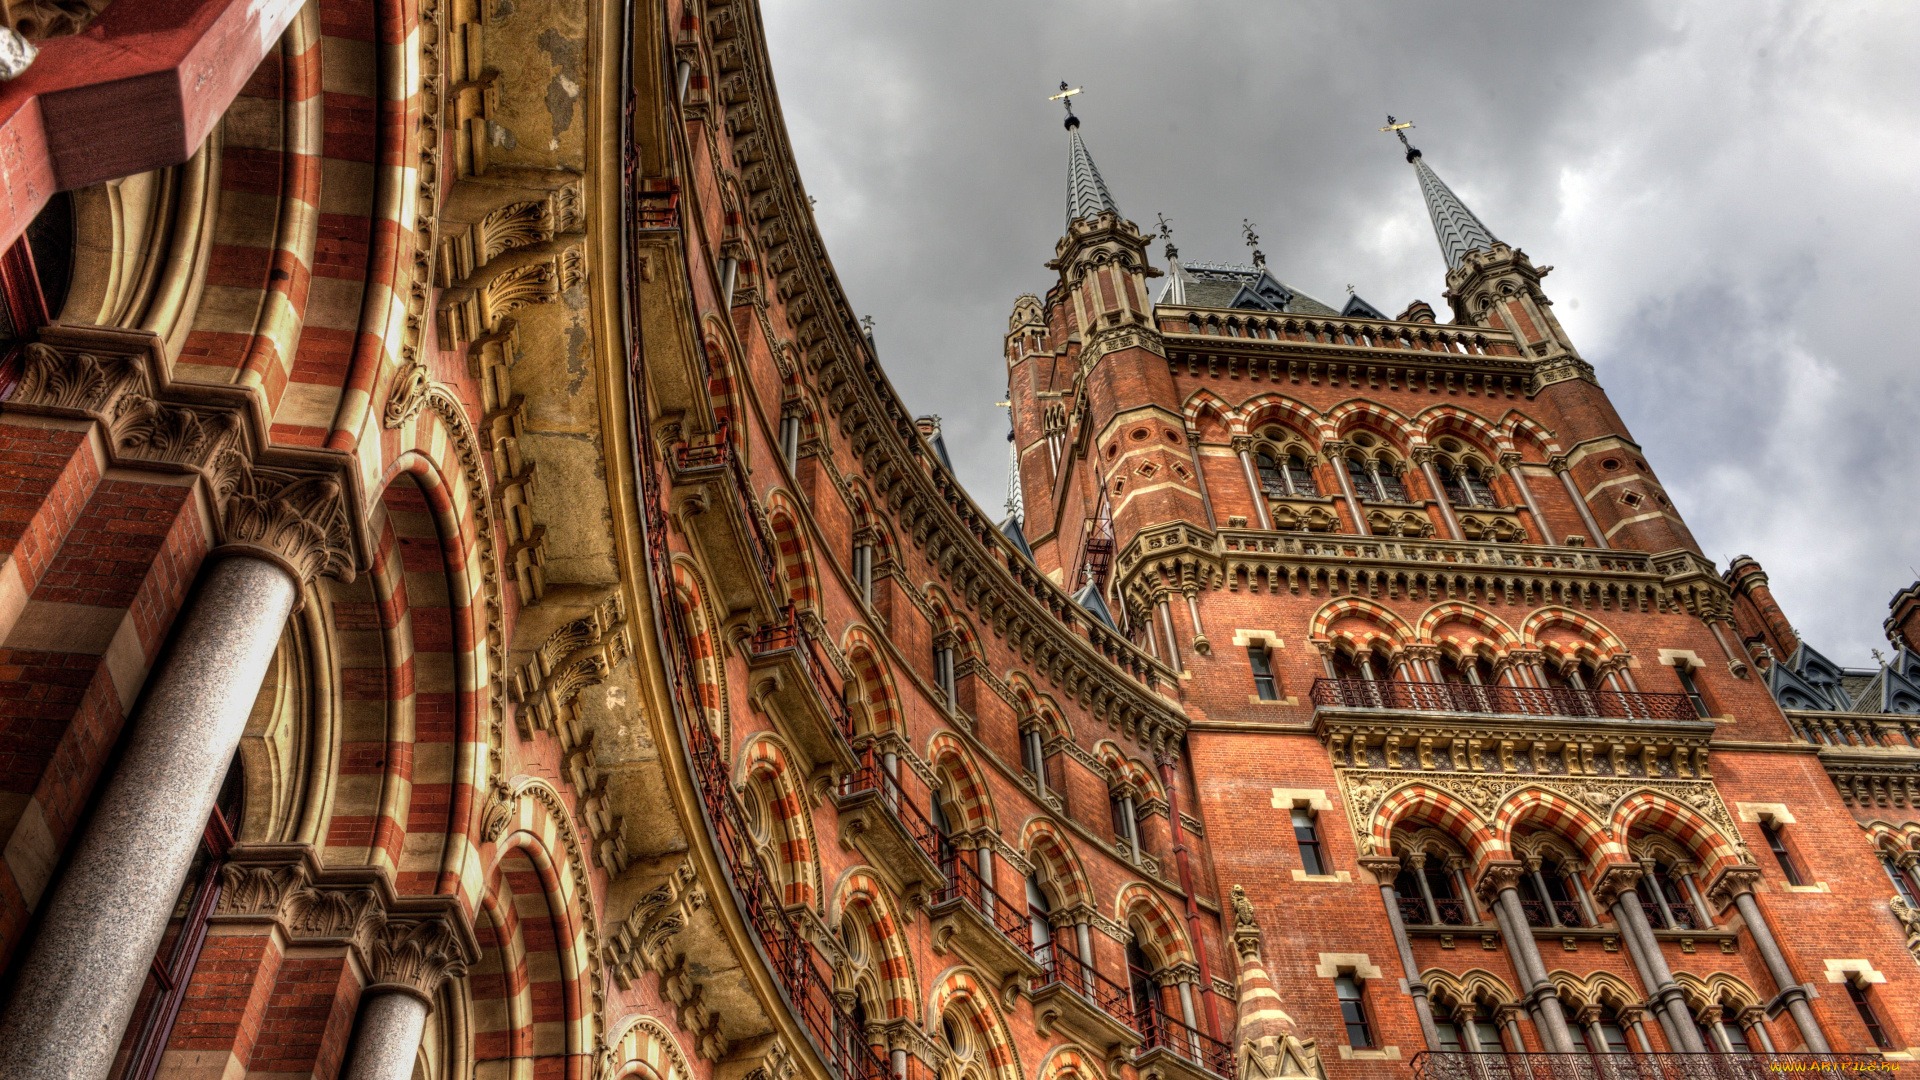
(1726, 190)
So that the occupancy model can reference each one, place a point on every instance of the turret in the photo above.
(1492, 284)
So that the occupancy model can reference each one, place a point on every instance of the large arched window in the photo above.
(1145, 996)
(1285, 474)
(1376, 479)
(1467, 484)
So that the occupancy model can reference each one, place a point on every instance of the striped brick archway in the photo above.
(1155, 927)
(861, 896)
(1562, 817)
(966, 785)
(1046, 849)
(875, 680)
(645, 1048)
(1648, 811)
(764, 761)
(969, 999)
(1419, 804)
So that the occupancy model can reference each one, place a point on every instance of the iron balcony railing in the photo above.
(1465, 697)
(720, 454)
(1413, 912)
(1683, 917)
(1442, 1065)
(1059, 964)
(872, 775)
(789, 633)
(802, 972)
(1163, 1032)
(965, 883)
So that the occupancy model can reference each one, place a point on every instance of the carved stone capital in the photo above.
(1498, 877)
(1242, 444)
(1731, 883)
(300, 521)
(1384, 868)
(1615, 880)
(1558, 463)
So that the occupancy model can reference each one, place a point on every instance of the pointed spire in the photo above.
(1455, 226)
(1087, 194)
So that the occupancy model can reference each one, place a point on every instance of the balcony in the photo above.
(1437, 1065)
(1504, 700)
(971, 919)
(787, 678)
(885, 826)
(1175, 1051)
(1413, 912)
(711, 504)
(1085, 1005)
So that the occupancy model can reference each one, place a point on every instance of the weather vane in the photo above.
(1399, 128)
(1253, 241)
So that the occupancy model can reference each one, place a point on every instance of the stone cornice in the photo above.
(1036, 617)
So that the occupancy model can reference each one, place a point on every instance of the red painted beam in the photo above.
(138, 90)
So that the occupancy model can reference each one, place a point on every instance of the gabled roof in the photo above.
(1359, 309)
(1089, 598)
(1011, 529)
(1226, 285)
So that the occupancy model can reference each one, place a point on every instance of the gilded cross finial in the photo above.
(1253, 241)
(1877, 655)
(1065, 98)
(1399, 128)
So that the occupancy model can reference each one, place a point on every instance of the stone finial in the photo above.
(1269, 1043)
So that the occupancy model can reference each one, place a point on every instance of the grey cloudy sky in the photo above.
(1726, 189)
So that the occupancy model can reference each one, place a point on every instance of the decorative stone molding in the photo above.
(293, 507)
(1908, 917)
(579, 654)
(535, 275)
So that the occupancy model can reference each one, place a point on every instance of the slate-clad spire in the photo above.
(1453, 224)
(1087, 194)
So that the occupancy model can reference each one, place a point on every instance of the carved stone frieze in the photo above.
(1363, 790)
(413, 943)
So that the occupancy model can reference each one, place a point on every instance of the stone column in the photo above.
(1200, 644)
(1200, 477)
(1384, 869)
(78, 984)
(1243, 446)
(1559, 465)
(1423, 456)
(1754, 1021)
(1083, 934)
(1501, 880)
(1166, 624)
(1418, 863)
(1510, 1019)
(409, 960)
(1457, 864)
(1336, 453)
(1699, 902)
(1589, 1020)
(1738, 882)
(1510, 461)
(1540, 889)
(1634, 1017)
(1669, 1003)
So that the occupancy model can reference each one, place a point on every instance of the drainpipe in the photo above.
(1169, 781)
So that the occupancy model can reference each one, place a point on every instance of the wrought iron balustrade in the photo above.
(1467, 698)
(802, 973)
(965, 883)
(872, 775)
(790, 633)
(1443, 1065)
(1163, 1032)
(1536, 912)
(1059, 964)
(720, 454)
(1413, 912)
(1569, 913)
